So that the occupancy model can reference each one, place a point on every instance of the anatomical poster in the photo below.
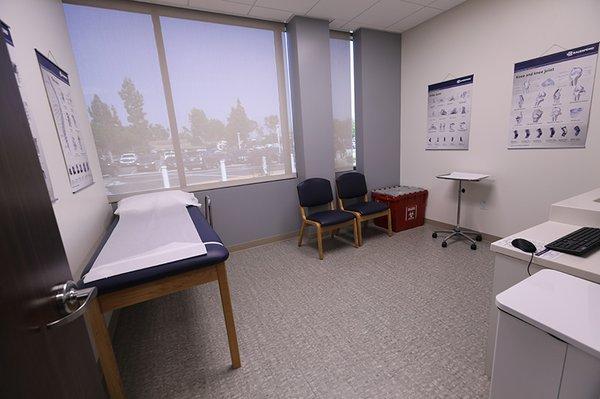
(449, 114)
(56, 82)
(10, 45)
(551, 99)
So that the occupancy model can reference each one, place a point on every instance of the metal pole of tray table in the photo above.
(457, 231)
(460, 190)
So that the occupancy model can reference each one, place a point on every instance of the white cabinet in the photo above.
(547, 342)
(528, 362)
(581, 375)
(507, 272)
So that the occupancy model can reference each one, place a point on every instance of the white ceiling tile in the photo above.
(270, 14)
(295, 6)
(415, 19)
(393, 15)
(179, 3)
(355, 25)
(387, 12)
(445, 4)
(220, 6)
(344, 9)
(337, 23)
(421, 2)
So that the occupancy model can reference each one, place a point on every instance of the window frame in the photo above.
(155, 11)
(341, 35)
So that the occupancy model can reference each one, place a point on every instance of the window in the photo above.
(120, 75)
(227, 100)
(342, 93)
(180, 98)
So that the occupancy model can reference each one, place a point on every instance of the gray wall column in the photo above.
(310, 79)
(377, 99)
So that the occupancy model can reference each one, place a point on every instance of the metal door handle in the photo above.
(67, 298)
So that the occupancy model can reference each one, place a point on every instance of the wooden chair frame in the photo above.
(145, 292)
(323, 229)
(365, 218)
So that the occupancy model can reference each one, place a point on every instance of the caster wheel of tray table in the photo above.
(478, 238)
(473, 247)
(434, 235)
(444, 244)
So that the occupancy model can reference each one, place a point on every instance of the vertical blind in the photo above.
(342, 90)
(179, 98)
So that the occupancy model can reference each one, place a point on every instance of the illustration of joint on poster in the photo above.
(8, 39)
(56, 82)
(449, 114)
(552, 98)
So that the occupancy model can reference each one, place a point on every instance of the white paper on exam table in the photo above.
(539, 246)
(463, 176)
(147, 239)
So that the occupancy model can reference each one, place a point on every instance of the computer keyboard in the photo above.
(579, 242)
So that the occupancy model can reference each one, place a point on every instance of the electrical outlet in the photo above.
(483, 204)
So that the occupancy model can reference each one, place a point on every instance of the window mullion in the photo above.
(283, 110)
(164, 72)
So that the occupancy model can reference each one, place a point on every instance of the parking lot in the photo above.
(128, 180)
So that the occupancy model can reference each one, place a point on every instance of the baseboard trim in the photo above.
(309, 234)
(448, 226)
(262, 241)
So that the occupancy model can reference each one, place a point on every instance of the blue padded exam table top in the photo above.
(215, 253)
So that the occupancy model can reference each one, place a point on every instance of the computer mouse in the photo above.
(524, 245)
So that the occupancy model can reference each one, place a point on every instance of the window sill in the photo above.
(346, 169)
(208, 186)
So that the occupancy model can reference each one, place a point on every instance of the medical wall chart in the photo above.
(10, 45)
(56, 82)
(552, 99)
(449, 114)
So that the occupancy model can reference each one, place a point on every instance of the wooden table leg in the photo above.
(228, 314)
(105, 351)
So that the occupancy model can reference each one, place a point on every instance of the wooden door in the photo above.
(35, 361)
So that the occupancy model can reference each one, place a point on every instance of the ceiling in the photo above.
(346, 15)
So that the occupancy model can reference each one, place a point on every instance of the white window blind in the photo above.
(120, 74)
(180, 98)
(342, 91)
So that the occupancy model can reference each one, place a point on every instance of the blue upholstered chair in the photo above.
(316, 192)
(353, 185)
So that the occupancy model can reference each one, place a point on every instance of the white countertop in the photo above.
(581, 210)
(588, 201)
(562, 305)
(586, 267)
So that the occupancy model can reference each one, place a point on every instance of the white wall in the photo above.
(82, 217)
(486, 37)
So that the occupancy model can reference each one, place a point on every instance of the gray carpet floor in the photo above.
(400, 317)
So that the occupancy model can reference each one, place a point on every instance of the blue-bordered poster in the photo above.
(10, 45)
(449, 114)
(551, 99)
(56, 82)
